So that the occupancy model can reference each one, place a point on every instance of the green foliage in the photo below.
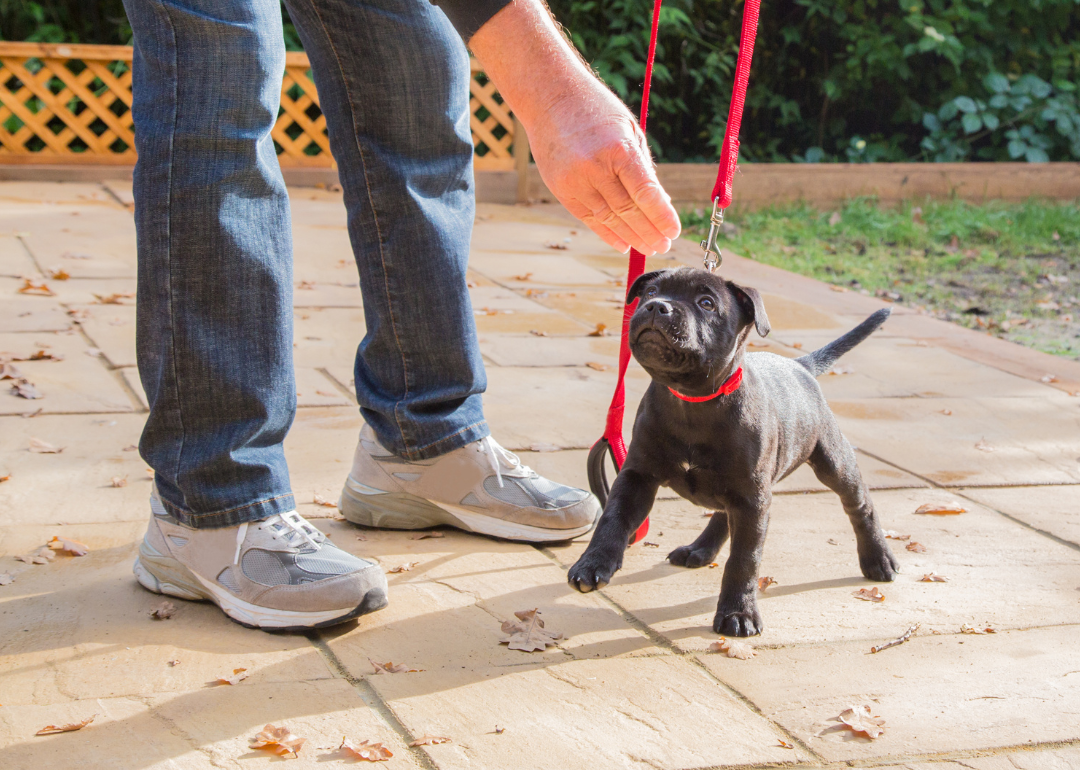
(849, 81)
(65, 21)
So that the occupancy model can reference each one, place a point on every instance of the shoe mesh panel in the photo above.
(328, 563)
(264, 568)
(557, 493)
(226, 578)
(512, 491)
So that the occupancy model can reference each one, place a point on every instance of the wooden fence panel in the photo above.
(71, 104)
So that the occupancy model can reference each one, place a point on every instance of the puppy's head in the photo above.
(690, 326)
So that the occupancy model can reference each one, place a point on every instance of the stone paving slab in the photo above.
(980, 692)
(1051, 509)
(105, 236)
(999, 574)
(15, 260)
(31, 314)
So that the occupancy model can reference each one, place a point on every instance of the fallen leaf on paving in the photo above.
(114, 299)
(527, 633)
(763, 583)
(239, 675)
(982, 446)
(8, 371)
(860, 720)
(40, 289)
(320, 500)
(543, 446)
(130, 448)
(930, 577)
(372, 752)
(941, 509)
(402, 568)
(946, 412)
(797, 345)
(524, 277)
(894, 535)
(59, 274)
(166, 610)
(4, 478)
(74, 547)
(278, 739)
(843, 369)
(832, 541)
(898, 641)
(599, 331)
(119, 481)
(1048, 378)
(557, 246)
(785, 744)
(648, 544)
(44, 447)
(173, 663)
(53, 729)
(429, 740)
(43, 355)
(966, 629)
(597, 366)
(713, 565)
(361, 537)
(916, 547)
(869, 594)
(537, 333)
(499, 730)
(6, 578)
(40, 556)
(389, 667)
(733, 649)
(26, 389)
(427, 535)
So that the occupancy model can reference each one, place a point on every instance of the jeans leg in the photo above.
(393, 80)
(215, 257)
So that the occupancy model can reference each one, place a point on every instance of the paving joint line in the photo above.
(662, 642)
(371, 698)
(957, 491)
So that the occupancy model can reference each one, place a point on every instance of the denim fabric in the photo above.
(215, 250)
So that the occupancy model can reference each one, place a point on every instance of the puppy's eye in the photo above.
(707, 303)
(650, 292)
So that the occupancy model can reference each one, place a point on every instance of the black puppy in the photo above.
(721, 428)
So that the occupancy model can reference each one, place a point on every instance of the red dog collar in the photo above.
(731, 384)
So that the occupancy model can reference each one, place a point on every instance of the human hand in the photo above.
(594, 159)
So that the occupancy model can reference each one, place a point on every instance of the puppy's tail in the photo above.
(822, 359)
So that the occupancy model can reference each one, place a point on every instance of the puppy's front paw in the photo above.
(879, 565)
(738, 618)
(592, 571)
(689, 556)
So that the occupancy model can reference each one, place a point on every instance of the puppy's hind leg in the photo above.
(703, 550)
(835, 465)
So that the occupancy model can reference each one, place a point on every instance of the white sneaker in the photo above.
(478, 488)
(280, 573)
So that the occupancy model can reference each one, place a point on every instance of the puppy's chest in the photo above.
(702, 477)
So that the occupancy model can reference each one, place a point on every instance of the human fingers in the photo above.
(609, 237)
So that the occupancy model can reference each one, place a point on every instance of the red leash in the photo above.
(612, 441)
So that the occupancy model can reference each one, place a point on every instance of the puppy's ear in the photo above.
(750, 301)
(639, 285)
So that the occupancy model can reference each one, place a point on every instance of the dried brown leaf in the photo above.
(544, 446)
(166, 610)
(4, 478)
(39, 289)
(239, 675)
(372, 752)
(597, 366)
(402, 568)
(527, 633)
(966, 629)
(599, 331)
(40, 447)
(894, 535)
(556, 246)
(763, 583)
(43, 355)
(916, 547)
(869, 594)
(931, 577)
(26, 389)
(172, 663)
(73, 547)
(8, 371)
(119, 481)
(524, 277)
(40, 556)
(982, 446)
(280, 740)
(649, 544)
(53, 729)
(941, 509)
(537, 333)
(320, 500)
(6, 578)
(427, 535)
(389, 667)
(733, 649)
(785, 744)
(860, 720)
(430, 740)
(115, 298)
(59, 274)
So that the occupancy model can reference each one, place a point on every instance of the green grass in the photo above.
(1012, 270)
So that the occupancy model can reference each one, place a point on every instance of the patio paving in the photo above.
(938, 414)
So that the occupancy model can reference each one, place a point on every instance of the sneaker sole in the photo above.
(369, 507)
(163, 575)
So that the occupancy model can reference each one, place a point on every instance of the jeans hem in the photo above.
(463, 437)
(256, 511)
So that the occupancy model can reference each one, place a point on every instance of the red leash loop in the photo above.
(613, 436)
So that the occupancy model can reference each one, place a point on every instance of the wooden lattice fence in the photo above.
(71, 104)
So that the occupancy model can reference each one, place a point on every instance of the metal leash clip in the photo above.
(713, 257)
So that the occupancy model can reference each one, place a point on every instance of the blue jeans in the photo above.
(215, 245)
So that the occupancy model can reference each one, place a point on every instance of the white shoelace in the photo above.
(498, 457)
(294, 526)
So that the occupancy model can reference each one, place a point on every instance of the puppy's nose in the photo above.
(658, 306)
